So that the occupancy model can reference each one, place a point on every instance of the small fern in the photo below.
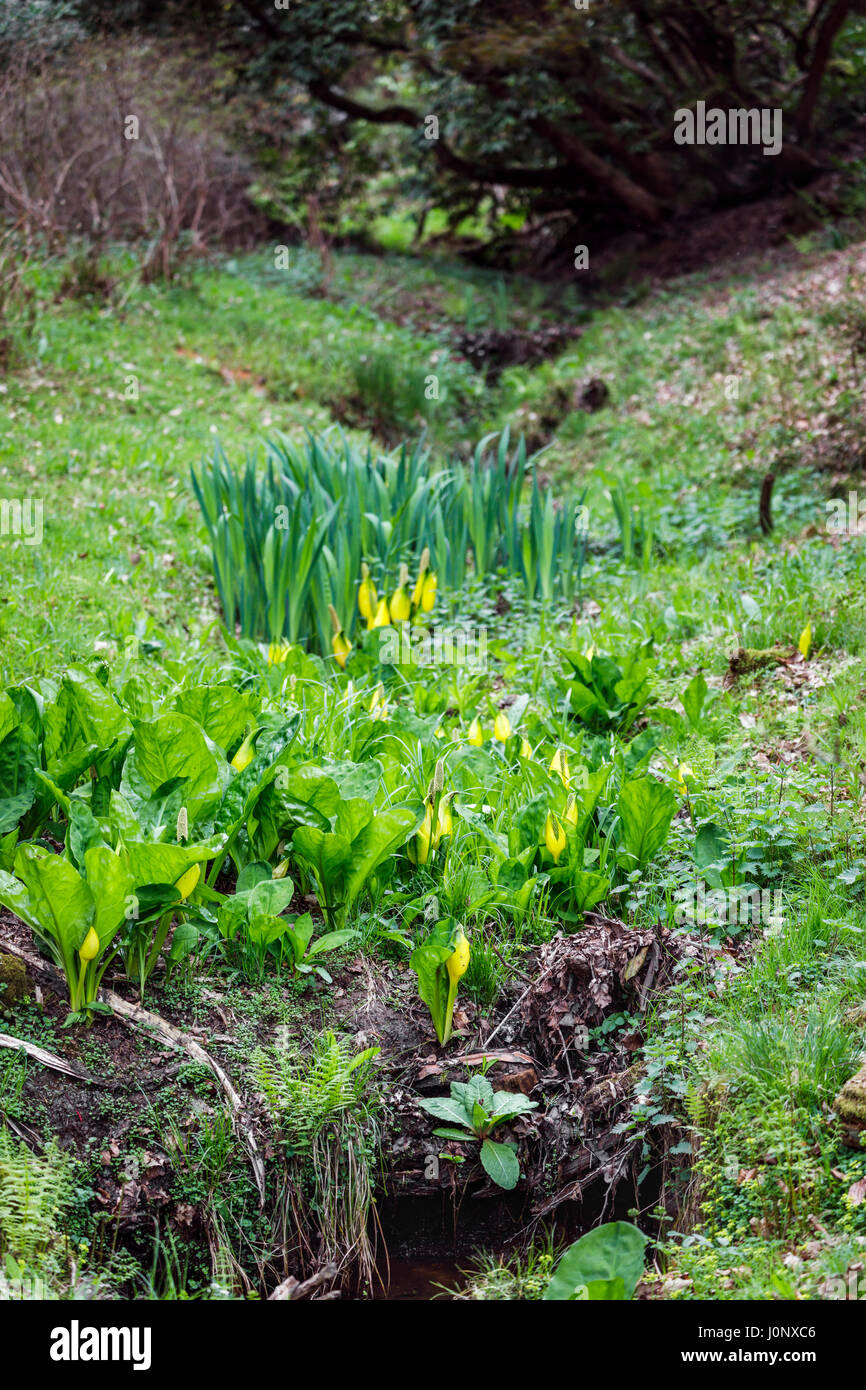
(34, 1193)
(304, 1093)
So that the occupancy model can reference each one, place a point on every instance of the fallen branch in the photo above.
(292, 1288)
(138, 1017)
(48, 1059)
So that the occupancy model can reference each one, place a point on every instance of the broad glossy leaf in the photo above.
(646, 809)
(60, 901)
(452, 1111)
(111, 884)
(500, 1164)
(385, 833)
(610, 1252)
(174, 747)
(221, 711)
(163, 863)
(271, 895)
(83, 723)
(19, 758)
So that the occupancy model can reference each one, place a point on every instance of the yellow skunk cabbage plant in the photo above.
(554, 837)
(368, 599)
(400, 605)
(245, 754)
(340, 644)
(74, 915)
(418, 591)
(440, 962)
(502, 727)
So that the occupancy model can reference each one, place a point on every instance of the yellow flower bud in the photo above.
(245, 754)
(401, 604)
(559, 765)
(187, 881)
(419, 850)
(458, 962)
(502, 727)
(571, 814)
(804, 646)
(382, 616)
(554, 836)
(418, 591)
(340, 644)
(278, 652)
(525, 748)
(475, 734)
(89, 948)
(428, 593)
(367, 596)
(444, 819)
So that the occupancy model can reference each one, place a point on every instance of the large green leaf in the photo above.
(428, 961)
(110, 881)
(163, 863)
(500, 1164)
(81, 725)
(170, 748)
(605, 1263)
(646, 809)
(9, 717)
(453, 1112)
(385, 833)
(220, 710)
(19, 758)
(61, 905)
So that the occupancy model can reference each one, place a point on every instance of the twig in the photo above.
(48, 1059)
(504, 1020)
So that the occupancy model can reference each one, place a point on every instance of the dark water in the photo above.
(429, 1243)
(418, 1279)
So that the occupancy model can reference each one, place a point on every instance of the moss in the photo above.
(14, 985)
(850, 1104)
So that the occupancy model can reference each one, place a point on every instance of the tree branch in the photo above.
(397, 114)
(820, 58)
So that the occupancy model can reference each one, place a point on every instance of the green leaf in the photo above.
(500, 1164)
(84, 723)
(646, 809)
(19, 757)
(610, 1253)
(271, 895)
(60, 906)
(173, 749)
(452, 1111)
(111, 884)
(693, 699)
(220, 710)
(183, 942)
(712, 844)
(428, 962)
(149, 863)
(331, 941)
